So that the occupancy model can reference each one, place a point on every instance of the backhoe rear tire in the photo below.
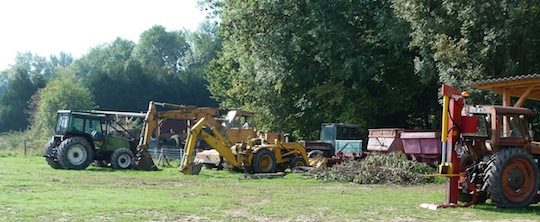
(264, 161)
(512, 178)
(50, 150)
(122, 158)
(75, 153)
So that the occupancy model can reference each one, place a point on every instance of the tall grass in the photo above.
(14, 142)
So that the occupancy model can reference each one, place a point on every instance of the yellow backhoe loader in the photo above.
(253, 155)
(152, 120)
(238, 128)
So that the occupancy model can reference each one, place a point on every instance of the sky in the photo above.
(75, 26)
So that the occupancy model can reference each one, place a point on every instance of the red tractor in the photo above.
(488, 152)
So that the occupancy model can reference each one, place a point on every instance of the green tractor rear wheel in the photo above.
(75, 153)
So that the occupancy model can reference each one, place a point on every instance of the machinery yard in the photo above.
(31, 190)
(392, 110)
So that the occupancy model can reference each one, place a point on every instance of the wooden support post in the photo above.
(507, 101)
(523, 97)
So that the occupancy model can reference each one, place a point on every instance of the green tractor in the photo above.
(82, 137)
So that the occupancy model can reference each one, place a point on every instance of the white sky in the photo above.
(74, 26)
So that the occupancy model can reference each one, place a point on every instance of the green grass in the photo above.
(32, 191)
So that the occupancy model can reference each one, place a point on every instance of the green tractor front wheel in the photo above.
(122, 158)
(50, 154)
(75, 153)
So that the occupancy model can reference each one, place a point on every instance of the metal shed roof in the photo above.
(523, 86)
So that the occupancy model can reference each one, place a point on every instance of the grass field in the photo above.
(32, 191)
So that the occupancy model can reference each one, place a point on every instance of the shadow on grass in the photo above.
(531, 210)
(109, 169)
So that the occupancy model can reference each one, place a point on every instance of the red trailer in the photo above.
(421, 145)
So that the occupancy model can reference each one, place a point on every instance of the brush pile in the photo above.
(392, 168)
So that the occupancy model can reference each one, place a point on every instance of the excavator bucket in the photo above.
(143, 161)
(192, 168)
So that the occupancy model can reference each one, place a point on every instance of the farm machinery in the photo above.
(264, 154)
(84, 136)
(337, 141)
(488, 152)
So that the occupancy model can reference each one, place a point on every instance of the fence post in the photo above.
(24, 142)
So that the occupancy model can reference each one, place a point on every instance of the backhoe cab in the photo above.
(82, 137)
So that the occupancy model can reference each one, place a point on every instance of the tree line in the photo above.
(375, 63)
(295, 63)
(119, 75)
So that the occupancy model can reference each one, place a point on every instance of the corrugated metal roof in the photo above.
(527, 86)
(505, 79)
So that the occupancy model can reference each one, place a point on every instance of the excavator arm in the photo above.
(143, 160)
(216, 141)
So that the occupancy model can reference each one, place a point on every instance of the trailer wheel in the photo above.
(264, 161)
(512, 178)
(122, 158)
(75, 153)
(50, 154)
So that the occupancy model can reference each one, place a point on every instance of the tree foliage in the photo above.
(14, 103)
(159, 50)
(123, 75)
(18, 83)
(463, 41)
(62, 93)
(300, 63)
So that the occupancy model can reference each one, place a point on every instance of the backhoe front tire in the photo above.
(264, 161)
(512, 178)
(50, 154)
(297, 161)
(75, 153)
(122, 158)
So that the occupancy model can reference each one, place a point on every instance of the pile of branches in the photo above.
(392, 168)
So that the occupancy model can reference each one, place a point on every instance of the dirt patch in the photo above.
(404, 219)
(190, 218)
(191, 195)
(316, 216)
(241, 214)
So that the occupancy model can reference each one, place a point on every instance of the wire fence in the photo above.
(164, 155)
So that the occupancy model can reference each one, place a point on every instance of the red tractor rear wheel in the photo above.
(512, 178)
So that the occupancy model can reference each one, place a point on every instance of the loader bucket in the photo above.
(143, 161)
(193, 168)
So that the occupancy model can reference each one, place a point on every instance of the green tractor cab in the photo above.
(82, 137)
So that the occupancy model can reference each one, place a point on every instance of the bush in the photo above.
(392, 168)
(63, 92)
